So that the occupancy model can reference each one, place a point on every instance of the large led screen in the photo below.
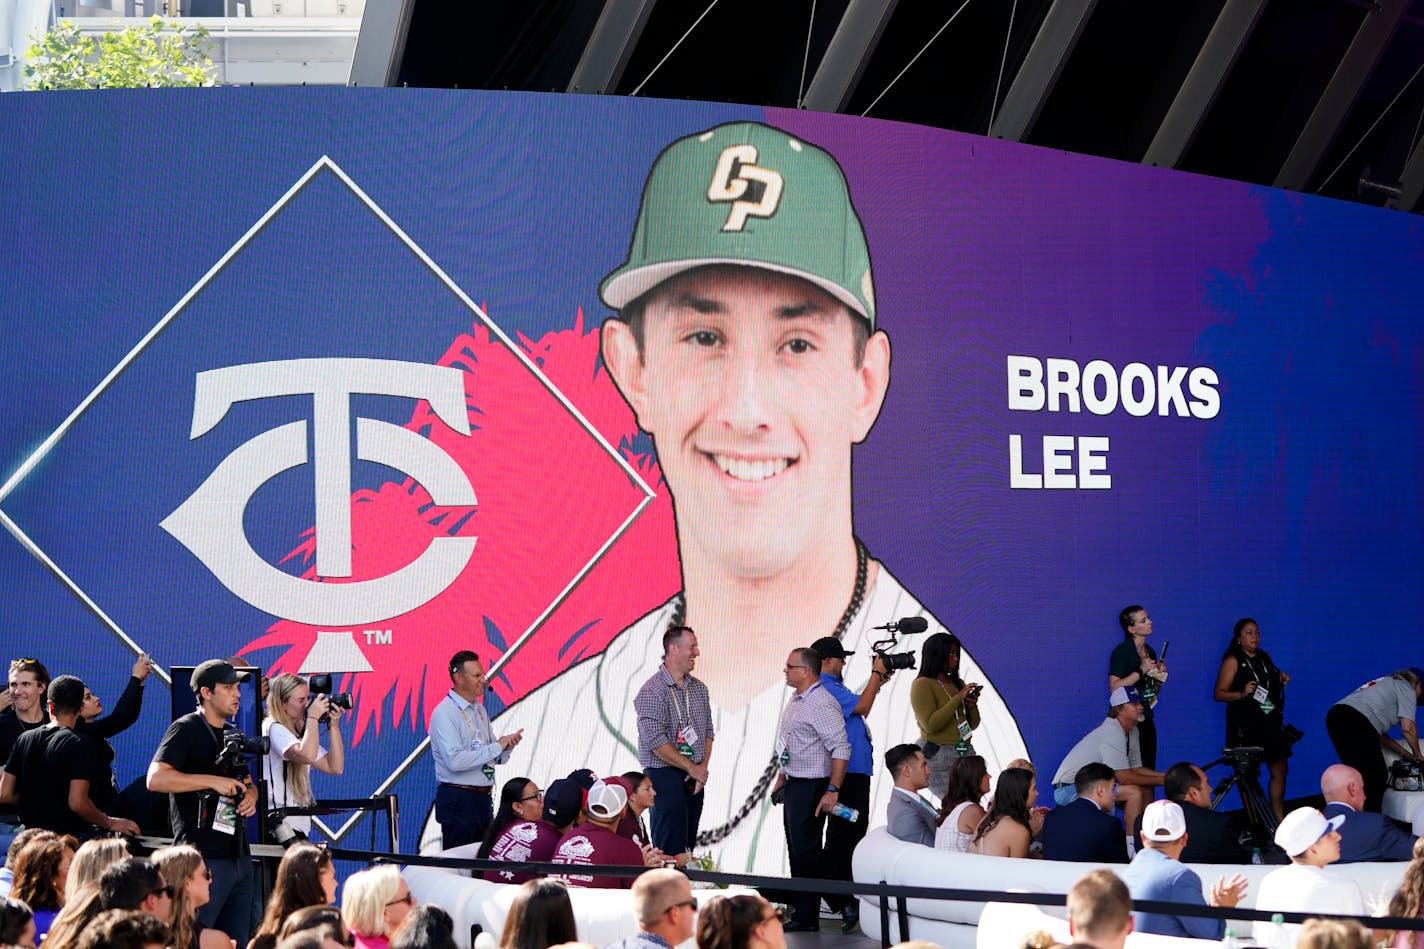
(321, 379)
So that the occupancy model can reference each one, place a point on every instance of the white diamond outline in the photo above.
(325, 163)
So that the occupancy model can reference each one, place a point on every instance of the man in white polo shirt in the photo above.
(1312, 842)
(1115, 744)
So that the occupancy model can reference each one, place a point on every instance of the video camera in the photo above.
(1244, 759)
(321, 685)
(905, 626)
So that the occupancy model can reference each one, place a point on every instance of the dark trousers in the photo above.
(843, 835)
(676, 813)
(1358, 744)
(804, 830)
(463, 815)
(229, 906)
(1147, 741)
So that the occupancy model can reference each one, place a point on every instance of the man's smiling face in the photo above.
(749, 382)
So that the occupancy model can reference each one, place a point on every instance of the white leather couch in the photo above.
(952, 924)
(1003, 925)
(603, 916)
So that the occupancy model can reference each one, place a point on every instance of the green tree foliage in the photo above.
(154, 54)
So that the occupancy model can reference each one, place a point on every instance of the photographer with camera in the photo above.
(293, 726)
(946, 708)
(843, 835)
(201, 765)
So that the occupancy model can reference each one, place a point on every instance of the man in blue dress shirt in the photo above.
(1365, 836)
(1156, 873)
(466, 751)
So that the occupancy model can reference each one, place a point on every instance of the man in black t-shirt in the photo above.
(28, 682)
(50, 770)
(206, 807)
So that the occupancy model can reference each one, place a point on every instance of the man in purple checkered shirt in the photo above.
(675, 741)
(813, 750)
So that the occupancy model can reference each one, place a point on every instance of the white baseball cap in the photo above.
(1163, 821)
(606, 800)
(1302, 828)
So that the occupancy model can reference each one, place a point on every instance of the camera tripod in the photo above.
(1245, 777)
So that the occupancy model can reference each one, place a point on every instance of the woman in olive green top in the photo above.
(946, 708)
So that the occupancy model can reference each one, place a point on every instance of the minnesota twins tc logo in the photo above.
(209, 523)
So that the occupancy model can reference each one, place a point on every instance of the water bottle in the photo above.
(844, 812)
(1229, 940)
(1256, 855)
(1278, 938)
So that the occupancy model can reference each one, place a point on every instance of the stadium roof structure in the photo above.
(1318, 96)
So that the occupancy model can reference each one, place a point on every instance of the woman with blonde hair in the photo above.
(745, 921)
(184, 870)
(293, 725)
(1334, 934)
(305, 877)
(90, 861)
(1408, 901)
(79, 911)
(374, 904)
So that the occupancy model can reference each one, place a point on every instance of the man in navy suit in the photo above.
(1365, 836)
(1085, 829)
(910, 817)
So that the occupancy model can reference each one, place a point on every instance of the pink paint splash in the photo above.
(548, 497)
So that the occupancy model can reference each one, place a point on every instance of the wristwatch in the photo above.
(833, 789)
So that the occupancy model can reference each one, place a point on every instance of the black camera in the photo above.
(321, 685)
(892, 660)
(898, 660)
(282, 832)
(1244, 759)
(236, 749)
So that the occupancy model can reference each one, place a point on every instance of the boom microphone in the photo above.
(907, 625)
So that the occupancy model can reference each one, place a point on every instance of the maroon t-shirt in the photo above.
(532, 841)
(631, 827)
(591, 845)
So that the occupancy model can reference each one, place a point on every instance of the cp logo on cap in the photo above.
(734, 175)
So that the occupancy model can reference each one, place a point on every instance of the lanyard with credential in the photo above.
(684, 716)
(474, 732)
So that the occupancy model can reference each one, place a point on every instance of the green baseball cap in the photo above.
(747, 193)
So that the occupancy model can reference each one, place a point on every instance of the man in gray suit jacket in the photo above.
(910, 817)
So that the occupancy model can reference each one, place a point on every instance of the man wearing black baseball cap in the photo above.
(843, 835)
(206, 806)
